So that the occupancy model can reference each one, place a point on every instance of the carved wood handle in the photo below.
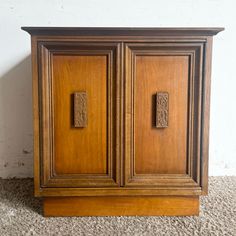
(162, 109)
(80, 109)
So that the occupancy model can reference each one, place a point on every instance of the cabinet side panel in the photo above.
(35, 78)
(206, 115)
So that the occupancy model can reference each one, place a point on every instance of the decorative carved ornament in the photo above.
(162, 109)
(80, 109)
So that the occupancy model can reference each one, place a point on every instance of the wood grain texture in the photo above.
(121, 206)
(206, 116)
(140, 106)
(80, 151)
(143, 190)
(161, 151)
(73, 157)
(127, 57)
(36, 122)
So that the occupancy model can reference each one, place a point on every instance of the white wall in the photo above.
(16, 158)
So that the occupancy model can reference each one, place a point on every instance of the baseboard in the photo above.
(121, 206)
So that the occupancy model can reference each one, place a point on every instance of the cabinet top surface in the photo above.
(127, 31)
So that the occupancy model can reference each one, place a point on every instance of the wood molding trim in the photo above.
(129, 31)
(46, 50)
(121, 46)
(195, 52)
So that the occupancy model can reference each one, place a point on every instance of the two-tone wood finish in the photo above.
(118, 148)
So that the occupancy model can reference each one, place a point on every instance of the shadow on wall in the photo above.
(16, 132)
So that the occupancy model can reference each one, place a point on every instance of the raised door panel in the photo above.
(162, 114)
(160, 150)
(80, 150)
(79, 90)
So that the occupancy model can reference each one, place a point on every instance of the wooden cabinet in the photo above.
(121, 119)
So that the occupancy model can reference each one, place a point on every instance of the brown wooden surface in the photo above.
(117, 31)
(79, 157)
(143, 190)
(111, 43)
(36, 122)
(121, 206)
(80, 150)
(160, 151)
(183, 71)
(206, 116)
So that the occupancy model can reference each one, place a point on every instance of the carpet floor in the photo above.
(21, 214)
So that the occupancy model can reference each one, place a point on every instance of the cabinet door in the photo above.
(79, 87)
(163, 114)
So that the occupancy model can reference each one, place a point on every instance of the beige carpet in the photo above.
(20, 214)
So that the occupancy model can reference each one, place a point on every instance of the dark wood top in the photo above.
(128, 31)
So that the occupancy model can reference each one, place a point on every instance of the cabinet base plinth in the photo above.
(121, 206)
